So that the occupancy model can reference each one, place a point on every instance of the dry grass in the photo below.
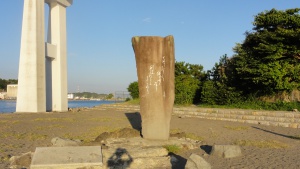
(8, 122)
(91, 134)
(174, 131)
(24, 136)
(261, 143)
(187, 135)
(236, 128)
(50, 127)
(194, 136)
(54, 119)
(297, 137)
(103, 119)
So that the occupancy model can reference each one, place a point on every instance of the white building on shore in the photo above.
(12, 90)
(70, 96)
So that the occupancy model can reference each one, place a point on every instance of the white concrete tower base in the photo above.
(57, 56)
(36, 71)
(31, 95)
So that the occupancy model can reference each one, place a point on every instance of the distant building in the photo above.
(12, 90)
(70, 96)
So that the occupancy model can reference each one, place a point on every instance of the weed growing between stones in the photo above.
(261, 143)
(172, 148)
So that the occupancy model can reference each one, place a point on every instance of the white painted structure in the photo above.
(71, 96)
(36, 76)
(12, 90)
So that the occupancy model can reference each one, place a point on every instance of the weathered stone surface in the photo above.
(61, 142)
(138, 157)
(190, 165)
(141, 153)
(226, 151)
(151, 163)
(67, 157)
(143, 143)
(199, 162)
(155, 62)
(22, 161)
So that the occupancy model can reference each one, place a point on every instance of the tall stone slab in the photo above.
(155, 62)
(56, 52)
(31, 95)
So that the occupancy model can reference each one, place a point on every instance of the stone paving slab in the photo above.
(67, 157)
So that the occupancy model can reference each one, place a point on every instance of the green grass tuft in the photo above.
(172, 148)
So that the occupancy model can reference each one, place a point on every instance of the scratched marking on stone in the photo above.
(155, 79)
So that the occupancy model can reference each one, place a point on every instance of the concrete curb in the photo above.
(269, 118)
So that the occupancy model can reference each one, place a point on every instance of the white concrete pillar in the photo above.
(57, 53)
(31, 81)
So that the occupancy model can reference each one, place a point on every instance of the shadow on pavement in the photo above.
(120, 159)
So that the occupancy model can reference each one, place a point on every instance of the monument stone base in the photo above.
(67, 157)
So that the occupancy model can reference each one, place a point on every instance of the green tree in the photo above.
(185, 89)
(133, 88)
(268, 60)
(188, 82)
(217, 90)
(4, 83)
(110, 96)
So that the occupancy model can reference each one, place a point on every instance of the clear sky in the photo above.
(100, 55)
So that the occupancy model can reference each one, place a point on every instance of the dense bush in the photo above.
(185, 89)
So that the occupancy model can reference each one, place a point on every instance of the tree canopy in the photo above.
(268, 60)
(4, 83)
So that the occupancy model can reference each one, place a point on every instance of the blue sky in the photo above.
(100, 55)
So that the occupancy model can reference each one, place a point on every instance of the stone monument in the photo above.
(36, 73)
(155, 62)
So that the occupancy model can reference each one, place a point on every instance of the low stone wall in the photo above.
(272, 118)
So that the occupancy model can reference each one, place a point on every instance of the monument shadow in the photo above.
(135, 120)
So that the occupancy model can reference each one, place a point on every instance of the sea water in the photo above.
(9, 106)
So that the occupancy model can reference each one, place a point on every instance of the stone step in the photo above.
(273, 118)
